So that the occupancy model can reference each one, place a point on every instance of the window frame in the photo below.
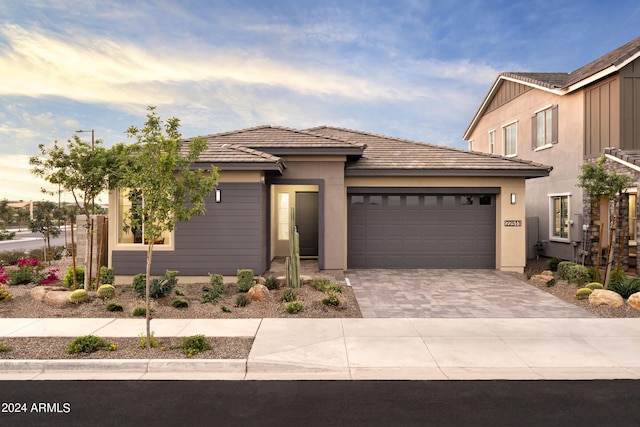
(492, 141)
(142, 246)
(505, 127)
(551, 128)
(552, 217)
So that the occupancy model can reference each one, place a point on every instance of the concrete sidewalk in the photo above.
(426, 349)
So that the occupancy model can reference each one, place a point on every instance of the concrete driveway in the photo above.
(453, 293)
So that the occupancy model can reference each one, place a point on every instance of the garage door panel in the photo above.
(422, 231)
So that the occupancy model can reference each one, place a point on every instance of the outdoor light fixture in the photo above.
(513, 198)
(218, 197)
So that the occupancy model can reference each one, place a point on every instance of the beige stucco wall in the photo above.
(510, 241)
(566, 157)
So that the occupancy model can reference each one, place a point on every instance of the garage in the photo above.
(443, 228)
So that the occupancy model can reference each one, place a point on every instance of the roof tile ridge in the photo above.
(252, 151)
(233, 132)
(318, 135)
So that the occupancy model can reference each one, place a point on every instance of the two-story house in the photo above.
(564, 120)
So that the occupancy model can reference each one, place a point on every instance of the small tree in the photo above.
(158, 169)
(598, 180)
(83, 169)
(44, 222)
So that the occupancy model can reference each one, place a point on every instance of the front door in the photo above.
(307, 222)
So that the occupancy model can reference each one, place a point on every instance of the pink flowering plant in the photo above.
(27, 270)
(50, 277)
(4, 276)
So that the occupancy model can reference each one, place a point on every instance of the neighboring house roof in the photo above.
(630, 159)
(564, 82)
(261, 148)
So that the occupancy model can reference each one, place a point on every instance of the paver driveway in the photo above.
(453, 293)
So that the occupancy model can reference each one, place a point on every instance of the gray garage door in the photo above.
(421, 231)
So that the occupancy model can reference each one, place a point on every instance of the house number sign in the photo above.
(513, 223)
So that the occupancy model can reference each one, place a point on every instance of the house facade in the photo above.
(361, 201)
(563, 120)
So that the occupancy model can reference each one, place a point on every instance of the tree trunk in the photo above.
(86, 255)
(147, 297)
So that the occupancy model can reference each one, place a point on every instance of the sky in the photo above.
(415, 69)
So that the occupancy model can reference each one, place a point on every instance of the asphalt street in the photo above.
(319, 403)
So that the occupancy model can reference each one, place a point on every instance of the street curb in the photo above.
(233, 366)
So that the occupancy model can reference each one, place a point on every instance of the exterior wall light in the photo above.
(513, 198)
(218, 196)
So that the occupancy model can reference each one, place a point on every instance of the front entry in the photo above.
(307, 222)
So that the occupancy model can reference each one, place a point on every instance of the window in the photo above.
(560, 217)
(470, 145)
(283, 216)
(633, 219)
(128, 203)
(492, 142)
(544, 128)
(510, 138)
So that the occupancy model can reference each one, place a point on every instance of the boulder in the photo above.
(55, 296)
(543, 277)
(634, 300)
(258, 293)
(606, 297)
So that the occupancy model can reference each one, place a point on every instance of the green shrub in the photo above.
(626, 287)
(159, 287)
(245, 280)
(195, 344)
(594, 285)
(225, 309)
(242, 301)
(593, 277)
(107, 275)
(78, 296)
(583, 293)
(289, 295)
(141, 311)
(178, 292)
(271, 283)
(293, 307)
(216, 280)
(86, 344)
(617, 275)
(550, 283)
(334, 288)
(333, 298)
(212, 292)
(320, 284)
(578, 274)
(553, 264)
(114, 306)
(4, 294)
(106, 291)
(152, 340)
(11, 257)
(22, 275)
(563, 269)
(67, 281)
(180, 303)
(4, 348)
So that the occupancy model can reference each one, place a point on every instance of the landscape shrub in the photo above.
(293, 307)
(4, 348)
(225, 309)
(216, 280)
(578, 274)
(245, 280)
(50, 277)
(141, 311)
(320, 284)
(106, 291)
(7, 235)
(114, 306)
(550, 283)
(152, 340)
(289, 295)
(617, 275)
(78, 296)
(159, 287)
(67, 280)
(8, 258)
(195, 344)
(4, 294)
(22, 275)
(242, 301)
(212, 292)
(271, 283)
(563, 269)
(625, 287)
(332, 298)
(107, 275)
(553, 264)
(583, 293)
(87, 344)
(180, 303)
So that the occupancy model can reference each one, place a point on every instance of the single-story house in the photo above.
(362, 201)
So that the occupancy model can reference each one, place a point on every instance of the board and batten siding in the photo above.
(231, 236)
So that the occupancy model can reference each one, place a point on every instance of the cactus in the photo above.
(594, 285)
(78, 296)
(106, 291)
(583, 293)
(293, 266)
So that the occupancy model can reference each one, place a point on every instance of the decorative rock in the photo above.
(260, 280)
(55, 296)
(606, 297)
(634, 300)
(258, 293)
(543, 277)
(282, 281)
(306, 279)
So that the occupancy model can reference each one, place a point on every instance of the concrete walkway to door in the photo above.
(453, 293)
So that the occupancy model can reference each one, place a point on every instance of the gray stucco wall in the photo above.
(232, 235)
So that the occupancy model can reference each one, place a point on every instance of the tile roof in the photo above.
(397, 154)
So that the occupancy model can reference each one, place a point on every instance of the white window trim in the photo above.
(551, 236)
(138, 246)
(543, 108)
(470, 145)
(504, 142)
(544, 147)
(492, 145)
